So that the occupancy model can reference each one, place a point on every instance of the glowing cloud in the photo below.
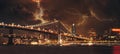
(39, 12)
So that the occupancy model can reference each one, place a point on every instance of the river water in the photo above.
(59, 49)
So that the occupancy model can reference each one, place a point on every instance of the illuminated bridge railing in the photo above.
(30, 33)
(30, 28)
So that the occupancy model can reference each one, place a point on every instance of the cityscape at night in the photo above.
(59, 27)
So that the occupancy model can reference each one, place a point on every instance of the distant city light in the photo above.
(90, 43)
(116, 29)
(34, 43)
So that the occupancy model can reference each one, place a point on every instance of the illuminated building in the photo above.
(73, 30)
(112, 34)
(92, 33)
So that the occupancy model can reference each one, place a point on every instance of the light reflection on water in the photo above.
(116, 49)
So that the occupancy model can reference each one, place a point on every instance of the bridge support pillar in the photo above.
(10, 38)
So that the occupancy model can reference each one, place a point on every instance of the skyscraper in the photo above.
(73, 30)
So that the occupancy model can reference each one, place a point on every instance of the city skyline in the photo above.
(60, 26)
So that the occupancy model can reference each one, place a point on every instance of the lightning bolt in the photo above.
(39, 12)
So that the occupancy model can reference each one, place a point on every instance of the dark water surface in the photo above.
(59, 50)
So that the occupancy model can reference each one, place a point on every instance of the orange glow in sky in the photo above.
(36, 0)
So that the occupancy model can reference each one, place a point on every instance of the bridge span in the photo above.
(39, 33)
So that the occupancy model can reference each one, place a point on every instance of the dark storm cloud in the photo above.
(107, 13)
(107, 8)
(84, 13)
(18, 11)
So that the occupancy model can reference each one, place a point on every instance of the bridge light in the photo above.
(24, 26)
(34, 43)
(12, 24)
(15, 25)
(65, 34)
(45, 30)
(39, 41)
(90, 43)
(18, 25)
(51, 31)
(6, 24)
(47, 41)
(38, 28)
(31, 27)
(27, 26)
(9, 35)
(2, 23)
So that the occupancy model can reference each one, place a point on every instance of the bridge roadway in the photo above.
(38, 30)
(12, 27)
(25, 28)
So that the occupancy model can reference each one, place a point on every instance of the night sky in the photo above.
(86, 14)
